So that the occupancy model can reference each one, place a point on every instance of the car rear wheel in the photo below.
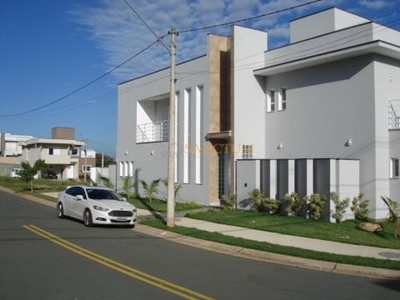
(60, 210)
(87, 218)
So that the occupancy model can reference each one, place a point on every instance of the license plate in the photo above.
(121, 219)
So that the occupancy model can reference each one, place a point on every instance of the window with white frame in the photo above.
(271, 101)
(282, 99)
(54, 151)
(121, 169)
(247, 151)
(394, 168)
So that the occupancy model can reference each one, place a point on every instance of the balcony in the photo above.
(393, 118)
(152, 132)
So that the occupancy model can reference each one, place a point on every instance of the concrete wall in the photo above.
(323, 176)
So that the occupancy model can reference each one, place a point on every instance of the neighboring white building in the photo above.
(315, 116)
(10, 144)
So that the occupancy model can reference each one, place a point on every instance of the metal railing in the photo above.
(393, 119)
(152, 132)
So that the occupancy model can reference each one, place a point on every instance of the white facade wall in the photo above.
(150, 160)
(328, 21)
(248, 94)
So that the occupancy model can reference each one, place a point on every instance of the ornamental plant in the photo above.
(294, 203)
(272, 205)
(360, 208)
(340, 207)
(228, 201)
(257, 199)
(316, 204)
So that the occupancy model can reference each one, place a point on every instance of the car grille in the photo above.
(120, 213)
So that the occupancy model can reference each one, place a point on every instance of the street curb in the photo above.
(245, 252)
(270, 257)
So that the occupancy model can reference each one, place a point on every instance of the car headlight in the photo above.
(97, 207)
(134, 210)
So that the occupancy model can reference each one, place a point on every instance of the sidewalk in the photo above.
(287, 240)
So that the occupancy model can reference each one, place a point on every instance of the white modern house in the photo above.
(10, 144)
(315, 116)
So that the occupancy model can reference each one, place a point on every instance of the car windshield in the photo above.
(99, 194)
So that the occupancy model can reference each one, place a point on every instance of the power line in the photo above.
(81, 88)
(250, 18)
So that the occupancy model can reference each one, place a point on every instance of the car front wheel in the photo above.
(87, 218)
(60, 210)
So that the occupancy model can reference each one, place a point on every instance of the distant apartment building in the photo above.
(318, 115)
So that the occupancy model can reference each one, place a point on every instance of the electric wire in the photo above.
(82, 87)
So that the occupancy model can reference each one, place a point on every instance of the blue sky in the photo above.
(56, 56)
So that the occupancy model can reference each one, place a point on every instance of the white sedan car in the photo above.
(95, 205)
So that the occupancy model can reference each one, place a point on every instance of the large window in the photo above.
(394, 168)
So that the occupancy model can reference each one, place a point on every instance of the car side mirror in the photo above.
(79, 197)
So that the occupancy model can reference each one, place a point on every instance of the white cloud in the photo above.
(119, 33)
(377, 4)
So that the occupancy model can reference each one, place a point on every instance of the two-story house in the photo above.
(314, 116)
(63, 154)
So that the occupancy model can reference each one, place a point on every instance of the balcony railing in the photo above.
(152, 132)
(393, 119)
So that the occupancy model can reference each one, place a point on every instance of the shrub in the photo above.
(316, 204)
(228, 201)
(257, 199)
(272, 205)
(340, 207)
(360, 208)
(294, 203)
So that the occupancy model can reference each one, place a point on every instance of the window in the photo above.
(247, 151)
(54, 151)
(86, 168)
(394, 168)
(73, 151)
(271, 101)
(282, 99)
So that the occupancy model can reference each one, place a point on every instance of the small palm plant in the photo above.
(150, 190)
(393, 216)
(177, 187)
(127, 186)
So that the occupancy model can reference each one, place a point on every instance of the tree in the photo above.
(108, 160)
(28, 172)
